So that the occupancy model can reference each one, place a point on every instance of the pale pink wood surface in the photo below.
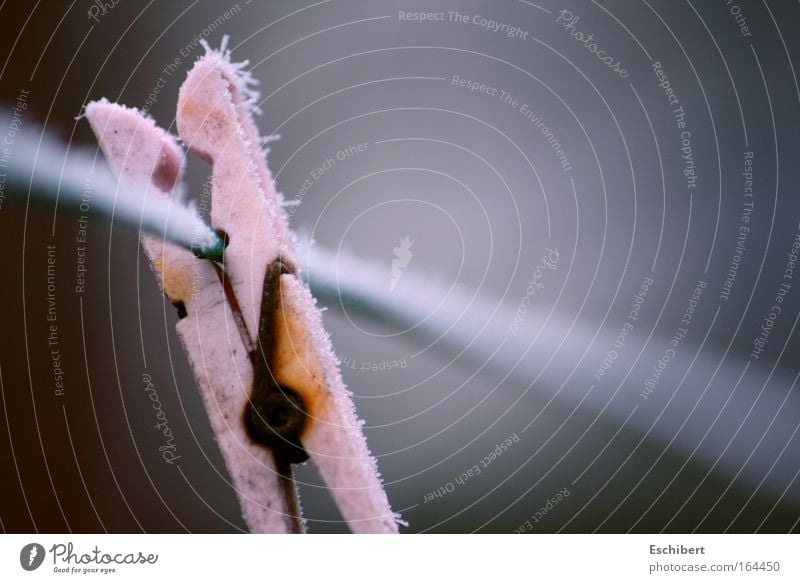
(214, 119)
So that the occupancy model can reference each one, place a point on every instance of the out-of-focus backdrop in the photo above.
(592, 211)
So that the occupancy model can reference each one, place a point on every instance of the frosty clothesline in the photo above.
(75, 182)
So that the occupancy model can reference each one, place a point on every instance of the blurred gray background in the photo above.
(558, 151)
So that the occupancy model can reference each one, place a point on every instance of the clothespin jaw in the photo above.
(274, 387)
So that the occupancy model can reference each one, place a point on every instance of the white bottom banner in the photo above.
(458, 558)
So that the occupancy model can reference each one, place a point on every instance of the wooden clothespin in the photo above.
(252, 333)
